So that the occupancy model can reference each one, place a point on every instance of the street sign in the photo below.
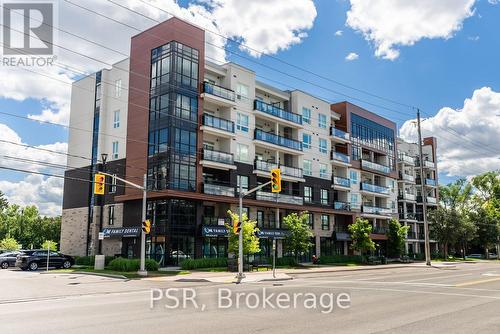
(101, 235)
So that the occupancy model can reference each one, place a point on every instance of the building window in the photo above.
(115, 150)
(158, 141)
(241, 90)
(112, 186)
(118, 88)
(116, 119)
(260, 218)
(354, 177)
(324, 196)
(308, 194)
(310, 220)
(354, 200)
(306, 115)
(323, 171)
(322, 121)
(323, 146)
(244, 182)
(325, 222)
(186, 107)
(111, 215)
(242, 152)
(306, 140)
(307, 167)
(242, 122)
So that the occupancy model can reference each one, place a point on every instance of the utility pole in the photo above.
(104, 157)
(424, 194)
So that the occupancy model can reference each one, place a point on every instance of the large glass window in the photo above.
(323, 171)
(323, 146)
(186, 107)
(158, 141)
(242, 122)
(116, 119)
(308, 194)
(115, 150)
(243, 180)
(306, 115)
(354, 177)
(324, 197)
(242, 90)
(322, 121)
(307, 170)
(306, 140)
(325, 222)
(242, 152)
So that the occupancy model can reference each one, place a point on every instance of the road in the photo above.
(463, 299)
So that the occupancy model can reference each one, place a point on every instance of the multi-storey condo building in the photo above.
(198, 131)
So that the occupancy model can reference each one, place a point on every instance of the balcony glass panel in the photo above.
(407, 196)
(407, 159)
(431, 200)
(217, 156)
(280, 198)
(339, 133)
(277, 140)
(379, 230)
(219, 91)
(216, 220)
(340, 157)
(374, 166)
(218, 123)
(341, 181)
(430, 182)
(367, 208)
(215, 189)
(338, 205)
(407, 177)
(374, 188)
(277, 112)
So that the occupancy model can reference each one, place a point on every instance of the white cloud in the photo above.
(351, 56)
(392, 23)
(494, 2)
(339, 33)
(473, 38)
(468, 137)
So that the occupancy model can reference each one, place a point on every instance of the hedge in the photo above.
(189, 264)
(122, 264)
(341, 259)
(284, 261)
(89, 260)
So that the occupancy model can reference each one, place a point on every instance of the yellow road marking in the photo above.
(478, 282)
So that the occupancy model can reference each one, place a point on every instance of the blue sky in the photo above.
(435, 71)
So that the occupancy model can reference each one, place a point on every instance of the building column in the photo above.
(318, 246)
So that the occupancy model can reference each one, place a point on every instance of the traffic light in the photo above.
(146, 226)
(236, 226)
(99, 180)
(275, 180)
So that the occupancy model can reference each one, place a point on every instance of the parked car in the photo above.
(37, 258)
(8, 259)
(475, 256)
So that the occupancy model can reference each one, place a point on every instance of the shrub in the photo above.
(122, 264)
(341, 259)
(284, 261)
(89, 260)
(189, 264)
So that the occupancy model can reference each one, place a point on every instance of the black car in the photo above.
(8, 259)
(34, 259)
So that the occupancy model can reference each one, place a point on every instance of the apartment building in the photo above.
(199, 131)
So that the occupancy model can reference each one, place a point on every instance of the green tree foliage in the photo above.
(360, 236)
(9, 244)
(250, 238)
(396, 235)
(49, 244)
(299, 235)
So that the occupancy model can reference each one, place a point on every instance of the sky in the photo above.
(388, 56)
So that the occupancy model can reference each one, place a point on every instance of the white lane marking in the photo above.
(437, 277)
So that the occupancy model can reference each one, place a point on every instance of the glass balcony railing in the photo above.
(344, 206)
(430, 182)
(407, 177)
(379, 230)
(218, 156)
(218, 91)
(431, 200)
(339, 133)
(341, 181)
(340, 157)
(374, 188)
(365, 164)
(408, 215)
(407, 159)
(218, 123)
(277, 112)
(216, 220)
(277, 140)
(407, 196)
(216, 189)
(427, 163)
(285, 170)
(291, 171)
(280, 198)
(368, 208)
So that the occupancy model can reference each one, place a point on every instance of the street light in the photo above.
(104, 157)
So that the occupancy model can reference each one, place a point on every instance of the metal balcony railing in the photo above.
(407, 159)
(430, 182)
(341, 181)
(285, 170)
(216, 189)
(408, 215)
(339, 133)
(277, 112)
(365, 164)
(340, 157)
(407, 177)
(280, 198)
(218, 156)
(218, 91)
(431, 200)
(407, 196)
(374, 188)
(277, 140)
(218, 123)
(368, 208)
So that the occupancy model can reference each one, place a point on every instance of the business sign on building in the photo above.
(272, 234)
(121, 232)
(214, 231)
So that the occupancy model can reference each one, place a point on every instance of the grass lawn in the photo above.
(455, 259)
(130, 274)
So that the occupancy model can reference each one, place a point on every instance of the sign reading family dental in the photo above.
(221, 231)
(123, 232)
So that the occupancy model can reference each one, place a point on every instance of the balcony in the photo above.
(216, 189)
(217, 159)
(279, 142)
(341, 182)
(404, 196)
(273, 111)
(430, 182)
(280, 198)
(341, 159)
(287, 172)
(218, 95)
(372, 166)
(339, 135)
(365, 186)
(216, 221)
(431, 200)
(406, 159)
(218, 126)
(344, 206)
(427, 164)
(407, 216)
(376, 210)
(379, 230)
(407, 177)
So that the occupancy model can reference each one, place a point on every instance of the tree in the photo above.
(396, 235)
(250, 238)
(299, 234)
(49, 244)
(9, 244)
(446, 227)
(360, 236)
(3, 202)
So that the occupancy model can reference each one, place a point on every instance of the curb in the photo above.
(357, 269)
(84, 273)
(276, 279)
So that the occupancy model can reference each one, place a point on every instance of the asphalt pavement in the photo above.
(463, 298)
